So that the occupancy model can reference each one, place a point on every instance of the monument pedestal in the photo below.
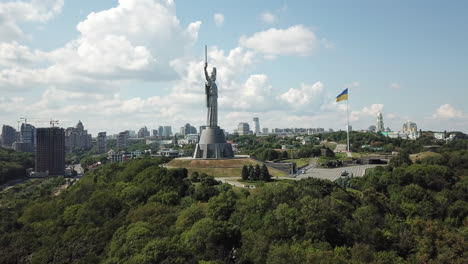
(212, 145)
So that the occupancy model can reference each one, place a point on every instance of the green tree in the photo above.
(245, 173)
(264, 173)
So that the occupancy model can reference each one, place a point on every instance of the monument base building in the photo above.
(212, 145)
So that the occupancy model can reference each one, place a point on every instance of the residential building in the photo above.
(101, 142)
(160, 131)
(243, 129)
(143, 132)
(256, 125)
(155, 133)
(265, 130)
(50, 151)
(122, 140)
(8, 136)
(77, 138)
(188, 130)
(167, 131)
(28, 137)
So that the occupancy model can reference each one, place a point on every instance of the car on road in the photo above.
(345, 173)
(303, 171)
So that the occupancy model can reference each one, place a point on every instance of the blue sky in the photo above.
(122, 65)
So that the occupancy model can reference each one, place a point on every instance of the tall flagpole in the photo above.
(347, 118)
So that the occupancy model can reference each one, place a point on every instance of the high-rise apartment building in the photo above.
(50, 150)
(8, 136)
(143, 132)
(28, 137)
(256, 125)
(160, 131)
(167, 132)
(188, 130)
(122, 140)
(101, 142)
(77, 138)
(243, 129)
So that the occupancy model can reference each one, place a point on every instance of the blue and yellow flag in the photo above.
(342, 96)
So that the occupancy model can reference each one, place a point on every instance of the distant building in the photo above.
(201, 129)
(256, 125)
(131, 133)
(28, 137)
(155, 133)
(265, 130)
(167, 131)
(8, 136)
(143, 132)
(191, 139)
(50, 151)
(188, 130)
(380, 124)
(169, 153)
(77, 138)
(160, 131)
(410, 127)
(439, 135)
(21, 146)
(372, 128)
(243, 129)
(101, 142)
(122, 140)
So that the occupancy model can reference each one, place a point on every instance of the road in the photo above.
(230, 180)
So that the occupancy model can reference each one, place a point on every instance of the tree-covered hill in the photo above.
(13, 164)
(140, 212)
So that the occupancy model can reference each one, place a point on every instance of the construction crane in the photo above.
(25, 120)
(54, 122)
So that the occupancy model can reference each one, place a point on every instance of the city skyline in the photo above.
(73, 61)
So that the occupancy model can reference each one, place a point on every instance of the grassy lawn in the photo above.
(219, 168)
(299, 162)
(422, 155)
(330, 145)
(338, 156)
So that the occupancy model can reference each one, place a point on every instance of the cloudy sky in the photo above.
(118, 65)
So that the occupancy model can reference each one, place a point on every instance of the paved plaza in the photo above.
(335, 173)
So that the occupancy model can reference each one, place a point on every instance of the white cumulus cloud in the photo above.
(296, 40)
(13, 13)
(306, 94)
(367, 111)
(268, 17)
(135, 40)
(446, 111)
(218, 19)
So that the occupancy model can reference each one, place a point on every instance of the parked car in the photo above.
(345, 173)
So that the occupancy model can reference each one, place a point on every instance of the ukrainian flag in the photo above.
(342, 96)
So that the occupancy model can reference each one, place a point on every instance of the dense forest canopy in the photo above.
(141, 212)
(13, 164)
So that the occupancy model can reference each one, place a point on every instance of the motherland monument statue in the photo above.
(212, 144)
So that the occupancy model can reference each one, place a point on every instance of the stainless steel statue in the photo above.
(212, 143)
(211, 91)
